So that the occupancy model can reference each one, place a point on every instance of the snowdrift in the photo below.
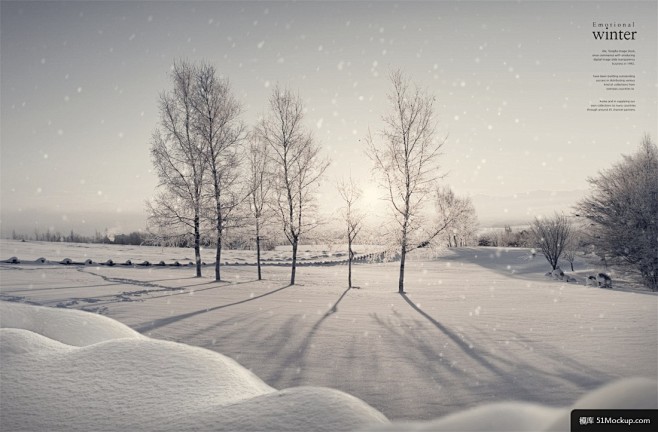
(69, 370)
(631, 393)
(75, 371)
(69, 327)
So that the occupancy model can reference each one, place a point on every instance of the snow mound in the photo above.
(19, 341)
(631, 393)
(295, 409)
(75, 371)
(501, 417)
(67, 326)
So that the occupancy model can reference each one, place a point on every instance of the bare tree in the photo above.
(466, 227)
(457, 215)
(219, 128)
(623, 208)
(570, 256)
(259, 186)
(405, 160)
(552, 236)
(575, 244)
(176, 152)
(350, 193)
(296, 165)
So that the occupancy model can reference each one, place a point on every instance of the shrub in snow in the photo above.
(88, 262)
(109, 263)
(604, 280)
(552, 235)
(128, 263)
(558, 273)
(12, 260)
(41, 260)
(162, 263)
(66, 261)
(176, 264)
(591, 280)
(146, 264)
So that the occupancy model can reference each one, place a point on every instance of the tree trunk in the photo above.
(258, 248)
(403, 255)
(349, 262)
(572, 266)
(349, 273)
(219, 227)
(197, 245)
(294, 262)
(403, 250)
(218, 257)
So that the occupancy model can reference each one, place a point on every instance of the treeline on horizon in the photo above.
(134, 238)
(495, 237)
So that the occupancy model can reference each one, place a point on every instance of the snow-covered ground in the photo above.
(477, 325)
(74, 371)
(100, 253)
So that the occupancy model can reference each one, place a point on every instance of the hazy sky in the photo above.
(80, 83)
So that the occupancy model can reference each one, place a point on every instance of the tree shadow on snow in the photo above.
(298, 354)
(529, 380)
(152, 325)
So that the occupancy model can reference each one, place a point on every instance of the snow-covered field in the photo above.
(100, 253)
(477, 326)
